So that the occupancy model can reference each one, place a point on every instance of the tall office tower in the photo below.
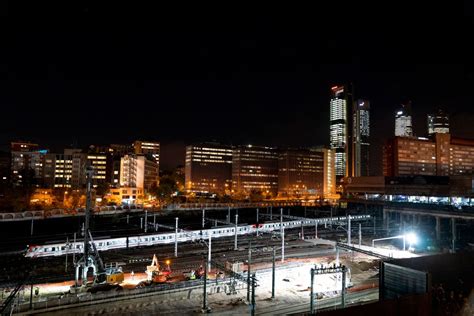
(360, 138)
(403, 125)
(254, 170)
(438, 122)
(149, 149)
(27, 160)
(208, 168)
(339, 128)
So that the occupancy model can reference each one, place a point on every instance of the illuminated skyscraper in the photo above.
(438, 122)
(403, 125)
(339, 138)
(360, 137)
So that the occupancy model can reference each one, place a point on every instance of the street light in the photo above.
(411, 238)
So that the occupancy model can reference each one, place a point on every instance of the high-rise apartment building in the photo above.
(27, 159)
(438, 122)
(208, 168)
(137, 171)
(340, 128)
(254, 169)
(441, 156)
(150, 149)
(306, 172)
(360, 138)
(403, 123)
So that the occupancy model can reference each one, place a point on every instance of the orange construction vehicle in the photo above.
(155, 273)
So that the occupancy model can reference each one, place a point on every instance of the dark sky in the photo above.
(110, 75)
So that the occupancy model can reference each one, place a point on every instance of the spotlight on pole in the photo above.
(411, 238)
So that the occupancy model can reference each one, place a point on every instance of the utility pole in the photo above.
(176, 238)
(302, 231)
(349, 230)
(315, 229)
(209, 254)
(236, 226)
(248, 271)
(253, 295)
(360, 235)
(74, 252)
(343, 293)
(203, 218)
(273, 274)
(67, 247)
(205, 308)
(311, 302)
(283, 244)
(375, 223)
(146, 221)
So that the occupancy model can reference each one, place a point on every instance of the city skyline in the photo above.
(263, 82)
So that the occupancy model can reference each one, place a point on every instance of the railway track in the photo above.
(327, 303)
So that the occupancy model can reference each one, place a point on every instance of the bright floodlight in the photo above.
(411, 238)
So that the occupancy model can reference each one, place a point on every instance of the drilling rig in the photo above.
(90, 257)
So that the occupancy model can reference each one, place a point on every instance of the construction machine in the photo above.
(103, 277)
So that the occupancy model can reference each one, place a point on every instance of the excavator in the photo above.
(155, 273)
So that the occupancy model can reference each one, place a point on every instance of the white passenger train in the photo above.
(59, 249)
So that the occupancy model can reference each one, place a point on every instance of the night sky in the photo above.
(108, 75)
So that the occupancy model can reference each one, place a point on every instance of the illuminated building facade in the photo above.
(403, 124)
(305, 172)
(442, 155)
(329, 177)
(125, 195)
(136, 171)
(300, 172)
(27, 158)
(5, 165)
(360, 138)
(65, 170)
(438, 123)
(208, 168)
(98, 162)
(150, 149)
(340, 127)
(254, 169)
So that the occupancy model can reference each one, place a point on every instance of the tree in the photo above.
(165, 189)
(102, 188)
